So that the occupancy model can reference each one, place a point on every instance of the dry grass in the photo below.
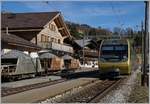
(139, 93)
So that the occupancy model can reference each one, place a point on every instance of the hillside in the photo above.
(78, 30)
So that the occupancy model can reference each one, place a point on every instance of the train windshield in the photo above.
(114, 53)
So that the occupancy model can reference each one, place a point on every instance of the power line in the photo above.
(119, 19)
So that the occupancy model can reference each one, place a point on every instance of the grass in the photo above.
(139, 93)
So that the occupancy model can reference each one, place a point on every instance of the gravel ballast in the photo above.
(123, 92)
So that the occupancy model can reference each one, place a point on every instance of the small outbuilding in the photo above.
(50, 62)
(70, 63)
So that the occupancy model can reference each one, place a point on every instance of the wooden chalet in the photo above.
(45, 29)
(90, 49)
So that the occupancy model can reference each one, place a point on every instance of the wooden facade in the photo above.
(45, 29)
(51, 38)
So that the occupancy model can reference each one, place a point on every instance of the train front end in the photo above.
(114, 58)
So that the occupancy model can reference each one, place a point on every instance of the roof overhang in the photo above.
(28, 25)
(10, 41)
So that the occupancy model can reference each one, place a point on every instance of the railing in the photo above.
(56, 46)
(91, 53)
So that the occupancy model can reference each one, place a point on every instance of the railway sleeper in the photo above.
(86, 94)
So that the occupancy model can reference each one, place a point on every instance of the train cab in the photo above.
(114, 57)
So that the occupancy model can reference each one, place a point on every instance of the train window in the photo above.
(8, 61)
(115, 47)
(114, 53)
(119, 48)
(105, 48)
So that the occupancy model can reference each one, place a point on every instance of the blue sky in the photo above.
(108, 14)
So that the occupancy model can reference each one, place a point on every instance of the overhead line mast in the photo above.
(146, 45)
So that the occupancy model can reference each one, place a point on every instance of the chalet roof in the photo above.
(14, 54)
(14, 42)
(26, 20)
(81, 44)
(36, 20)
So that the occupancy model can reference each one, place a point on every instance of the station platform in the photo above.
(29, 81)
(36, 95)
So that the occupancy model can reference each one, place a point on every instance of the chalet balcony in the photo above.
(90, 53)
(56, 46)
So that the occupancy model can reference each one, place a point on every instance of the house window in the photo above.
(52, 27)
(42, 38)
(55, 40)
(46, 38)
(52, 39)
(59, 41)
(49, 39)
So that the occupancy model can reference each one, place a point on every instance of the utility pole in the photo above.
(146, 42)
(143, 48)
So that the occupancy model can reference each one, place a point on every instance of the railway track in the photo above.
(10, 91)
(90, 93)
(103, 92)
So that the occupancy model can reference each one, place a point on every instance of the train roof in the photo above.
(115, 41)
(14, 54)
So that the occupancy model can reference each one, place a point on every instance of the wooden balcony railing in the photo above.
(91, 53)
(56, 46)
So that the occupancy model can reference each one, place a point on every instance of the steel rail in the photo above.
(10, 91)
(90, 93)
(99, 96)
